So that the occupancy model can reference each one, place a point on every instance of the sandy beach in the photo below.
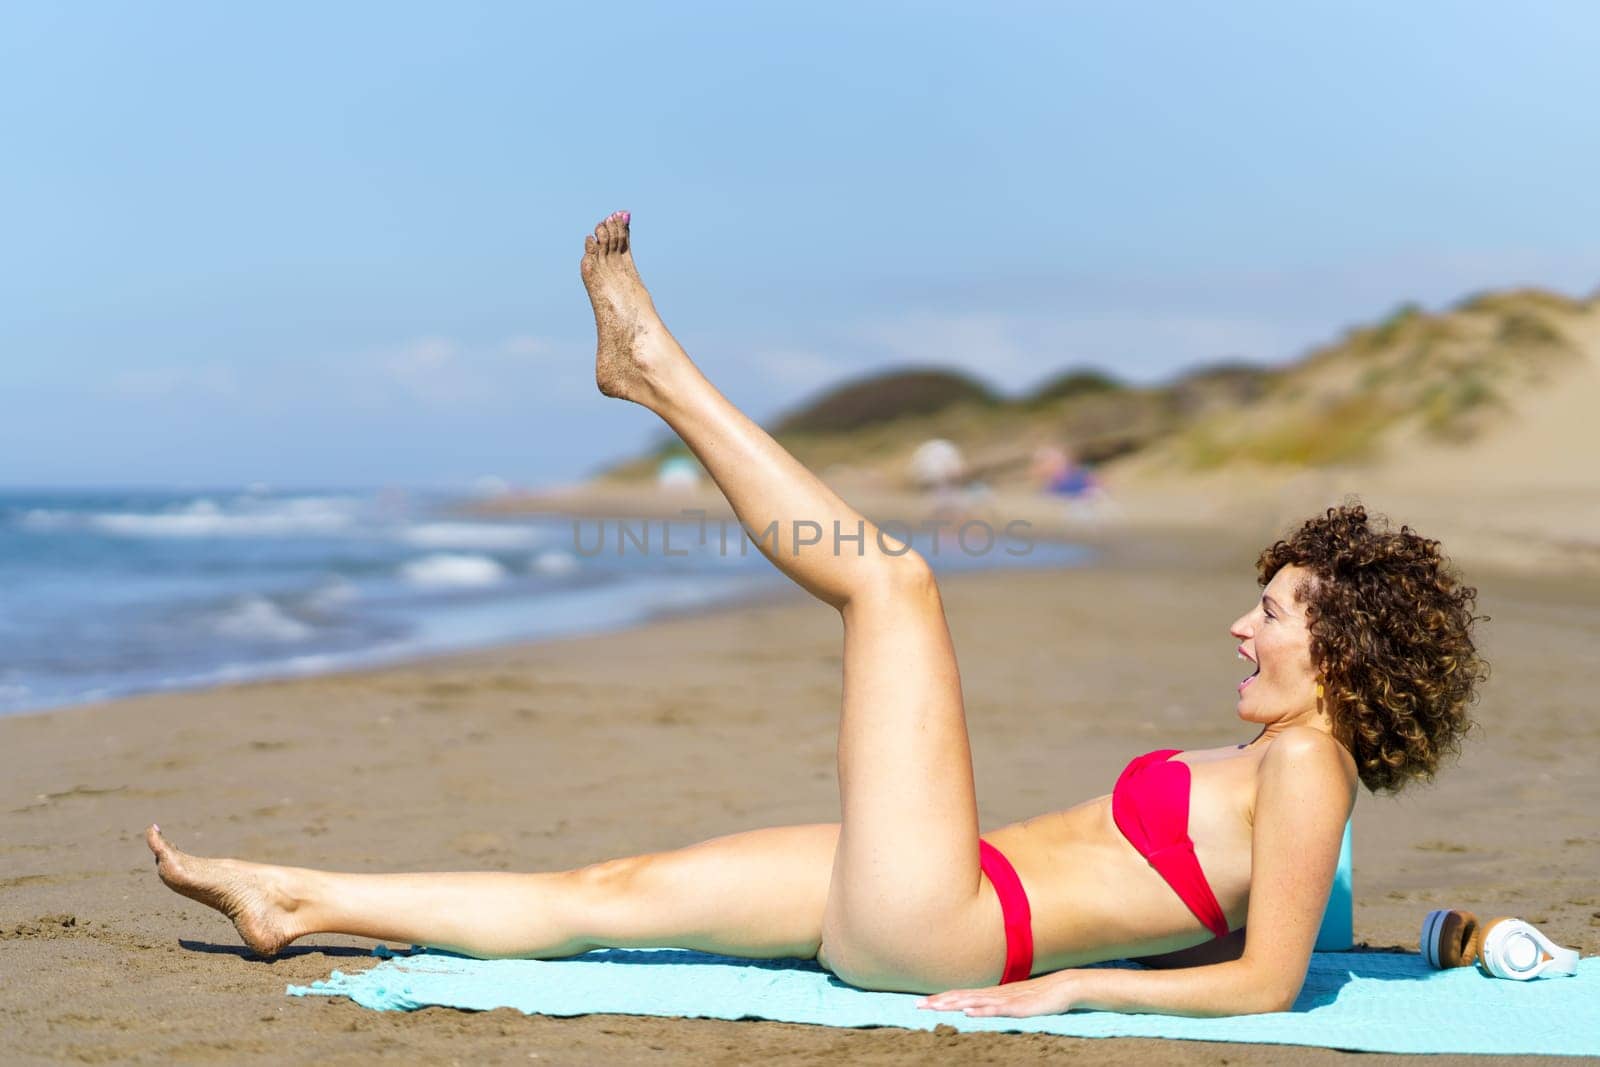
(368, 459)
(551, 755)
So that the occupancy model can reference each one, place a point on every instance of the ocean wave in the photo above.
(453, 570)
(255, 618)
(470, 535)
(234, 672)
(554, 562)
(46, 519)
(204, 518)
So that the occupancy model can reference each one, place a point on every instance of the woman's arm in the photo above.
(1217, 950)
(1229, 988)
(1302, 803)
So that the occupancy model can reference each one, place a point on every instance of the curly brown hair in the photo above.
(1391, 638)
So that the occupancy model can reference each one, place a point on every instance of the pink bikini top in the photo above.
(1150, 804)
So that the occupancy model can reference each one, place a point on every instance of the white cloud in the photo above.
(445, 372)
(431, 370)
(523, 345)
(802, 371)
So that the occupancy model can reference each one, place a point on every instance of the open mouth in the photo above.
(1246, 683)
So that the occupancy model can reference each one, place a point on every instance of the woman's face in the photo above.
(1274, 635)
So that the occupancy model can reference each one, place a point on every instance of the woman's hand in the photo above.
(1048, 994)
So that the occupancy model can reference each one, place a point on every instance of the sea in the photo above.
(108, 593)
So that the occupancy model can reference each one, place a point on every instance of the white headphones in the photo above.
(1502, 948)
(1514, 949)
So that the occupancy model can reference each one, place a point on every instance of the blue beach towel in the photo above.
(1375, 1002)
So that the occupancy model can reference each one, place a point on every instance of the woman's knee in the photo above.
(904, 580)
(612, 889)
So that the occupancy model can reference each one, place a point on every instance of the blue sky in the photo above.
(316, 244)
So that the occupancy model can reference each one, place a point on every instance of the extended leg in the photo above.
(759, 894)
(907, 899)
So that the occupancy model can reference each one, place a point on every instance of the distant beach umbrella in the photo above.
(678, 472)
(936, 462)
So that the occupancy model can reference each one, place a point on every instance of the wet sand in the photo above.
(552, 755)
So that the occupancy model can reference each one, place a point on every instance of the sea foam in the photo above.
(255, 618)
(449, 569)
(469, 535)
(554, 562)
(204, 518)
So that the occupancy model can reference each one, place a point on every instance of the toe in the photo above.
(601, 238)
(591, 255)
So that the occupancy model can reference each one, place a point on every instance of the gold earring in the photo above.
(1319, 690)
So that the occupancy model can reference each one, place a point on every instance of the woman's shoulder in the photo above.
(1302, 751)
(1304, 742)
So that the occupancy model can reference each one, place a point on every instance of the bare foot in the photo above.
(252, 895)
(633, 345)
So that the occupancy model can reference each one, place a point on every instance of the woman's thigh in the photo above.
(759, 894)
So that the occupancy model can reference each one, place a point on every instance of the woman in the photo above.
(1364, 665)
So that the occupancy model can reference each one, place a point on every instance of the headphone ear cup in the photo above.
(1478, 940)
(1449, 938)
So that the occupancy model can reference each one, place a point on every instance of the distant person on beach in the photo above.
(1363, 666)
(1057, 472)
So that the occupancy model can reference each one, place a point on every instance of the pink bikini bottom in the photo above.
(1014, 911)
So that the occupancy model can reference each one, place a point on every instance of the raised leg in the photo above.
(891, 899)
(639, 360)
(906, 908)
(759, 894)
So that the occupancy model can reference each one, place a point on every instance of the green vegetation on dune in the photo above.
(1446, 376)
(1521, 329)
(1082, 381)
(1386, 332)
(884, 398)
(1510, 301)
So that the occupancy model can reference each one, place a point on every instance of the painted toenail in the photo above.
(626, 216)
